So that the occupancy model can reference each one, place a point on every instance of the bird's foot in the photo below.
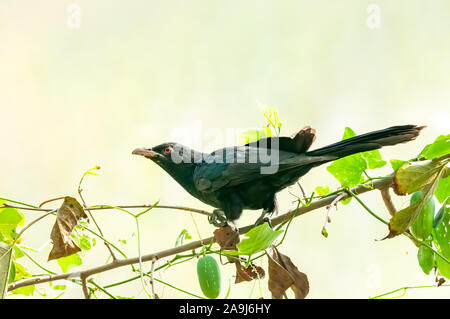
(218, 218)
(263, 219)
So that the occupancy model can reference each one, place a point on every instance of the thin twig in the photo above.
(84, 286)
(327, 217)
(111, 252)
(302, 190)
(105, 207)
(32, 223)
(28, 226)
(51, 200)
(405, 288)
(388, 201)
(187, 209)
(80, 190)
(152, 283)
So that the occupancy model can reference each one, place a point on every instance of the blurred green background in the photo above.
(133, 73)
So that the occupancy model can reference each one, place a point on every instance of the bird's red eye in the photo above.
(167, 150)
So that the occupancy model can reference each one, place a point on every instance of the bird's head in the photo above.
(176, 159)
(169, 154)
(157, 153)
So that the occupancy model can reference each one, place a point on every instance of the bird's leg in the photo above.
(270, 206)
(263, 219)
(218, 218)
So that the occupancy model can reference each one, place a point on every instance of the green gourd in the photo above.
(208, 273)
(423, 225)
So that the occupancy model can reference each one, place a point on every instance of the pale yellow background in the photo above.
(136, 71)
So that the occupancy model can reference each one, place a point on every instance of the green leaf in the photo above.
(443, 267)
(415, 176)
(374, 159)
(69, 262)
(12, 273)
(440, 147)
(18, 253)
(348, 170)
(21, 273)
(85, 243)
(5, 268)
(443, 190)
(319, 190)
(82, 240)
(59, 287)
(10, 218)
(348, 132)
(253, 135)
(181, 237)
(346, 201)
(271, 114)
(396, 164)
(27, 290)
(423, 225)
(425, 256)
(441, 234)
(445, 209)
(258, 239)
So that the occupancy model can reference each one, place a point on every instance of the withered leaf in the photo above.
(283, 274)
(408, 179)
(248, 273)
(227, 238)
(66, 219)
(415, 176)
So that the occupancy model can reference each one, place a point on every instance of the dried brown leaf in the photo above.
(227, 238)
(283, 274)
(411, 178)
(66, 219)
(248, 273)
(279, 279)
(440, 281)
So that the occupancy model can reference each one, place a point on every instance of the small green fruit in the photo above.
(423, 225)
(208, 273)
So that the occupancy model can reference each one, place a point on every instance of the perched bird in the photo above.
(248, 176)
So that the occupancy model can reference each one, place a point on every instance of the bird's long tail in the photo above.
(370, 141)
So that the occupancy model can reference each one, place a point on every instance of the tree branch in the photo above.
(378, 184)
(388, 201)
(104, 207)
(84, 286)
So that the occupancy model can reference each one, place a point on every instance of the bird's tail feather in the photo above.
(370, 141)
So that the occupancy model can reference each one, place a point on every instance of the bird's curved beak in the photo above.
(146, 152)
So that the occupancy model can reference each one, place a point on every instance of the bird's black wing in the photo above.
(238, 165)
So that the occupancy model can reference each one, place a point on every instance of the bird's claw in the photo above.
(218, 218)
(263, 219)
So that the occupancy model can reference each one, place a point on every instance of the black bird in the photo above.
(248, 176)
